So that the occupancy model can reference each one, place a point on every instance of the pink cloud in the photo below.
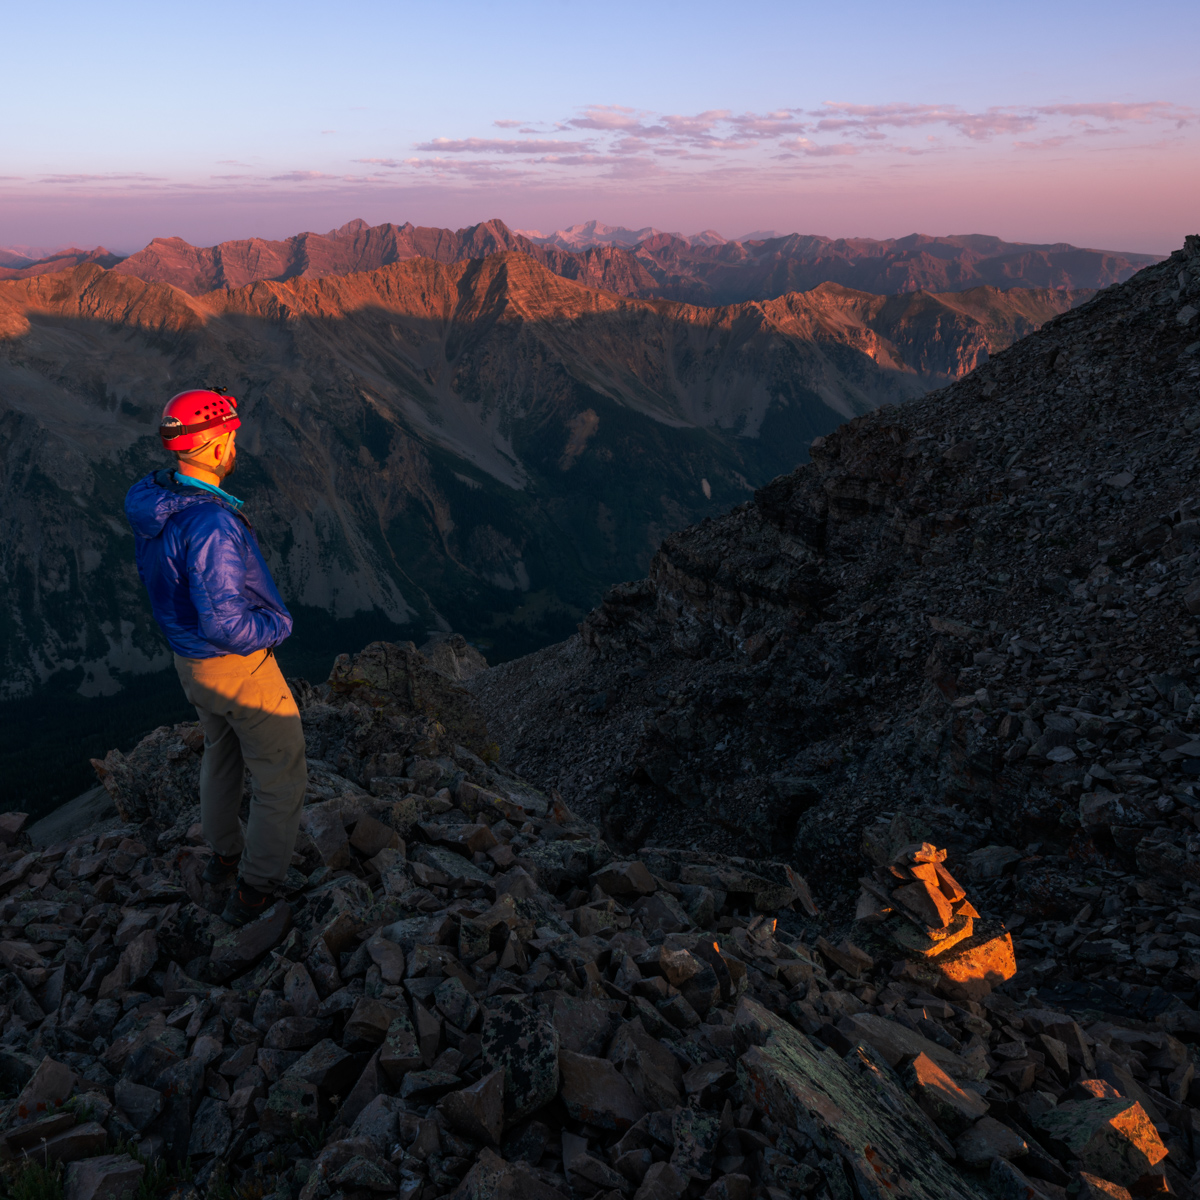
(870, 117)
(301, 176)
(1143, 111)
(1047, 143)
(802, 145)
(475, 145)
(606, 117)
(103, 178)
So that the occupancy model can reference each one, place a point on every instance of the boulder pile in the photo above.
(464, 990)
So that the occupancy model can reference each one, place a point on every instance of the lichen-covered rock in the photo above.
(491, 1178)
(158, 779)
(884, 1147)
(523, 1043)
(239, 949)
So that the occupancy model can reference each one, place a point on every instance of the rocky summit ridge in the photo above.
(464, 990)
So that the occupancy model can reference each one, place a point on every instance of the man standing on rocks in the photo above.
(218, 607)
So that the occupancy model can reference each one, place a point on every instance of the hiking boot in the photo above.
(221, 869)
(246, 904)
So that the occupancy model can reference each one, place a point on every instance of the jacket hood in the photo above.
(157, 497)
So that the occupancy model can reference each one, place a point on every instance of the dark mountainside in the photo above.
(948, 666)
(738, 271)
(974, 617)
(482, 446)
(658, 266)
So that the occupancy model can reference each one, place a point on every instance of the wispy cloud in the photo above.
(601, 145)
(476, 145)
(619, 141)
(301, 176)
(803, 145)
(132, 177)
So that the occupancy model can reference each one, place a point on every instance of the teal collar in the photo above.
(192, 481)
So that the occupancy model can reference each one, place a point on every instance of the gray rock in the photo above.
(106, 1177)
(211, 1128)
(326, 1065)
(377, 1121)
(240, 949)
(477, 1111)
(987, 1140)
(595, 1093)
(455, 1003)
(491, 1178)
(139, 1104)
(50, 1084)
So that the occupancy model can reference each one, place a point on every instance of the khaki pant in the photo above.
(250, 720)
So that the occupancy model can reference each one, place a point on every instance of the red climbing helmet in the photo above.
(195, 417)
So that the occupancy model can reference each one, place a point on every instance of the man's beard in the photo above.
(227, 467)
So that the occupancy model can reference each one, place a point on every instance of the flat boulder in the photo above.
(897, 1042)
(105, 1177)
(595, 1093)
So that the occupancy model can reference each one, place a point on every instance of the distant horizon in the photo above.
(36, 253)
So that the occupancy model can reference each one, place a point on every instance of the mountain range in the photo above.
(463, 437)
(444, 441)
(645, 263)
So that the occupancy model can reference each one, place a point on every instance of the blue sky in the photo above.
(1072, 122)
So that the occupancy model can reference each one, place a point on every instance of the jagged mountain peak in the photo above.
(647, 263)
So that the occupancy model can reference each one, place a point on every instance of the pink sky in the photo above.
(1069, 122)
(1126, 180)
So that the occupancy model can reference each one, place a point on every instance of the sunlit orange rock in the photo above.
(926, 901)
(1112, 1137)
(1092, 1187)
(970, 970)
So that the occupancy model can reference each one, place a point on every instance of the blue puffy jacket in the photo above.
(210, 590)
